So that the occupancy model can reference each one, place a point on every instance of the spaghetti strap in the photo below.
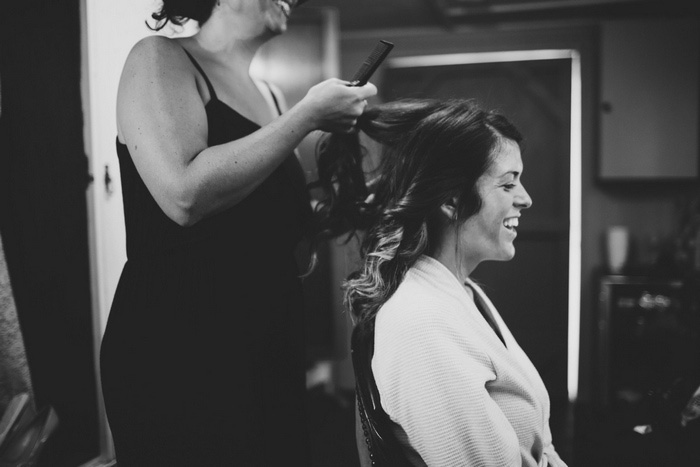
(274, 97)
(212, 93)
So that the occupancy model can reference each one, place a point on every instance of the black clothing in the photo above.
(203, 357)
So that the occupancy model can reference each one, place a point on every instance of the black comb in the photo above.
(371, 63)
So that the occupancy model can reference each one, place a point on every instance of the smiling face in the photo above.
(489, 234)
(276, 13)
(259, 18)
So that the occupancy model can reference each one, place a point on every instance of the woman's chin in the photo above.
(508, 253)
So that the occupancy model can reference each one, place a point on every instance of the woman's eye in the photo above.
(509, 186)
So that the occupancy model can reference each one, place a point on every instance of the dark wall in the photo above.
(43, 216)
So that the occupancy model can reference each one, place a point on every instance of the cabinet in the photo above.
(647, 336)
(649, 92)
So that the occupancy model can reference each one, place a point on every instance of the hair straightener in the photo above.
(371, 63)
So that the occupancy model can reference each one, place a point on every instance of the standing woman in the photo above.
(453, 384)
(202, 361)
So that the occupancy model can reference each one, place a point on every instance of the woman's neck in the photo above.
(230, 41)
(451, 263)
(448, 251)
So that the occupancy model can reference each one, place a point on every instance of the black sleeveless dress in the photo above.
(202, 361)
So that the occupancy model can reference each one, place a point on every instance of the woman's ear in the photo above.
(449, 209)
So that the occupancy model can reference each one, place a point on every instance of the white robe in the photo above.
(459, 397)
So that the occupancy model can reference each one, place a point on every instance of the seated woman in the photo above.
(447, 195)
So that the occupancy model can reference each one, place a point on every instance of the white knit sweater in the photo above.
(459, 397)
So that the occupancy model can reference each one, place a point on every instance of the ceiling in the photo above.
(387, 14)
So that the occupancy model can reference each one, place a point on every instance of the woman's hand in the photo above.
(334, 106)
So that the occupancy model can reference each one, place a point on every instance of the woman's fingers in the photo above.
(368, 90)
(335, 106)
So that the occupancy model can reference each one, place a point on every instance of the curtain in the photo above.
(43, 218)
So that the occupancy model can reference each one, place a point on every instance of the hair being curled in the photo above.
(178, 12)
(433, 151)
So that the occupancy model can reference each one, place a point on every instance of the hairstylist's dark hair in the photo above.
(179, 12)
(433, 151)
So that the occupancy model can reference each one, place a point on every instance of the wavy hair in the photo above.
(432, 151)
(178, 12)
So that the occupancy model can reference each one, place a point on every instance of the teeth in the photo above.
(511, 223)
(284, 6)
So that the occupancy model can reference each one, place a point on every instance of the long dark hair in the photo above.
(179, 12)
(431, 152)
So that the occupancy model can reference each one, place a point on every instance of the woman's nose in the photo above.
(523, 200)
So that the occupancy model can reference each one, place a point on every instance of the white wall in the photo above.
(109, 30)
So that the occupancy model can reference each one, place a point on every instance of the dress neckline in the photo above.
(214, 97)
(224, 105)
(216, 100)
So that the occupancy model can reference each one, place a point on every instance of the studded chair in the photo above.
(376, 443)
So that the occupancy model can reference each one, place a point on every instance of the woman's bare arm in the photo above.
(162, 120)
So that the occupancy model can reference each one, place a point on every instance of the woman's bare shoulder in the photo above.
(157, 51)
(156, 70)
(157, 63)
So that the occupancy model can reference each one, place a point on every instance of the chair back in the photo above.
(377, 439)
